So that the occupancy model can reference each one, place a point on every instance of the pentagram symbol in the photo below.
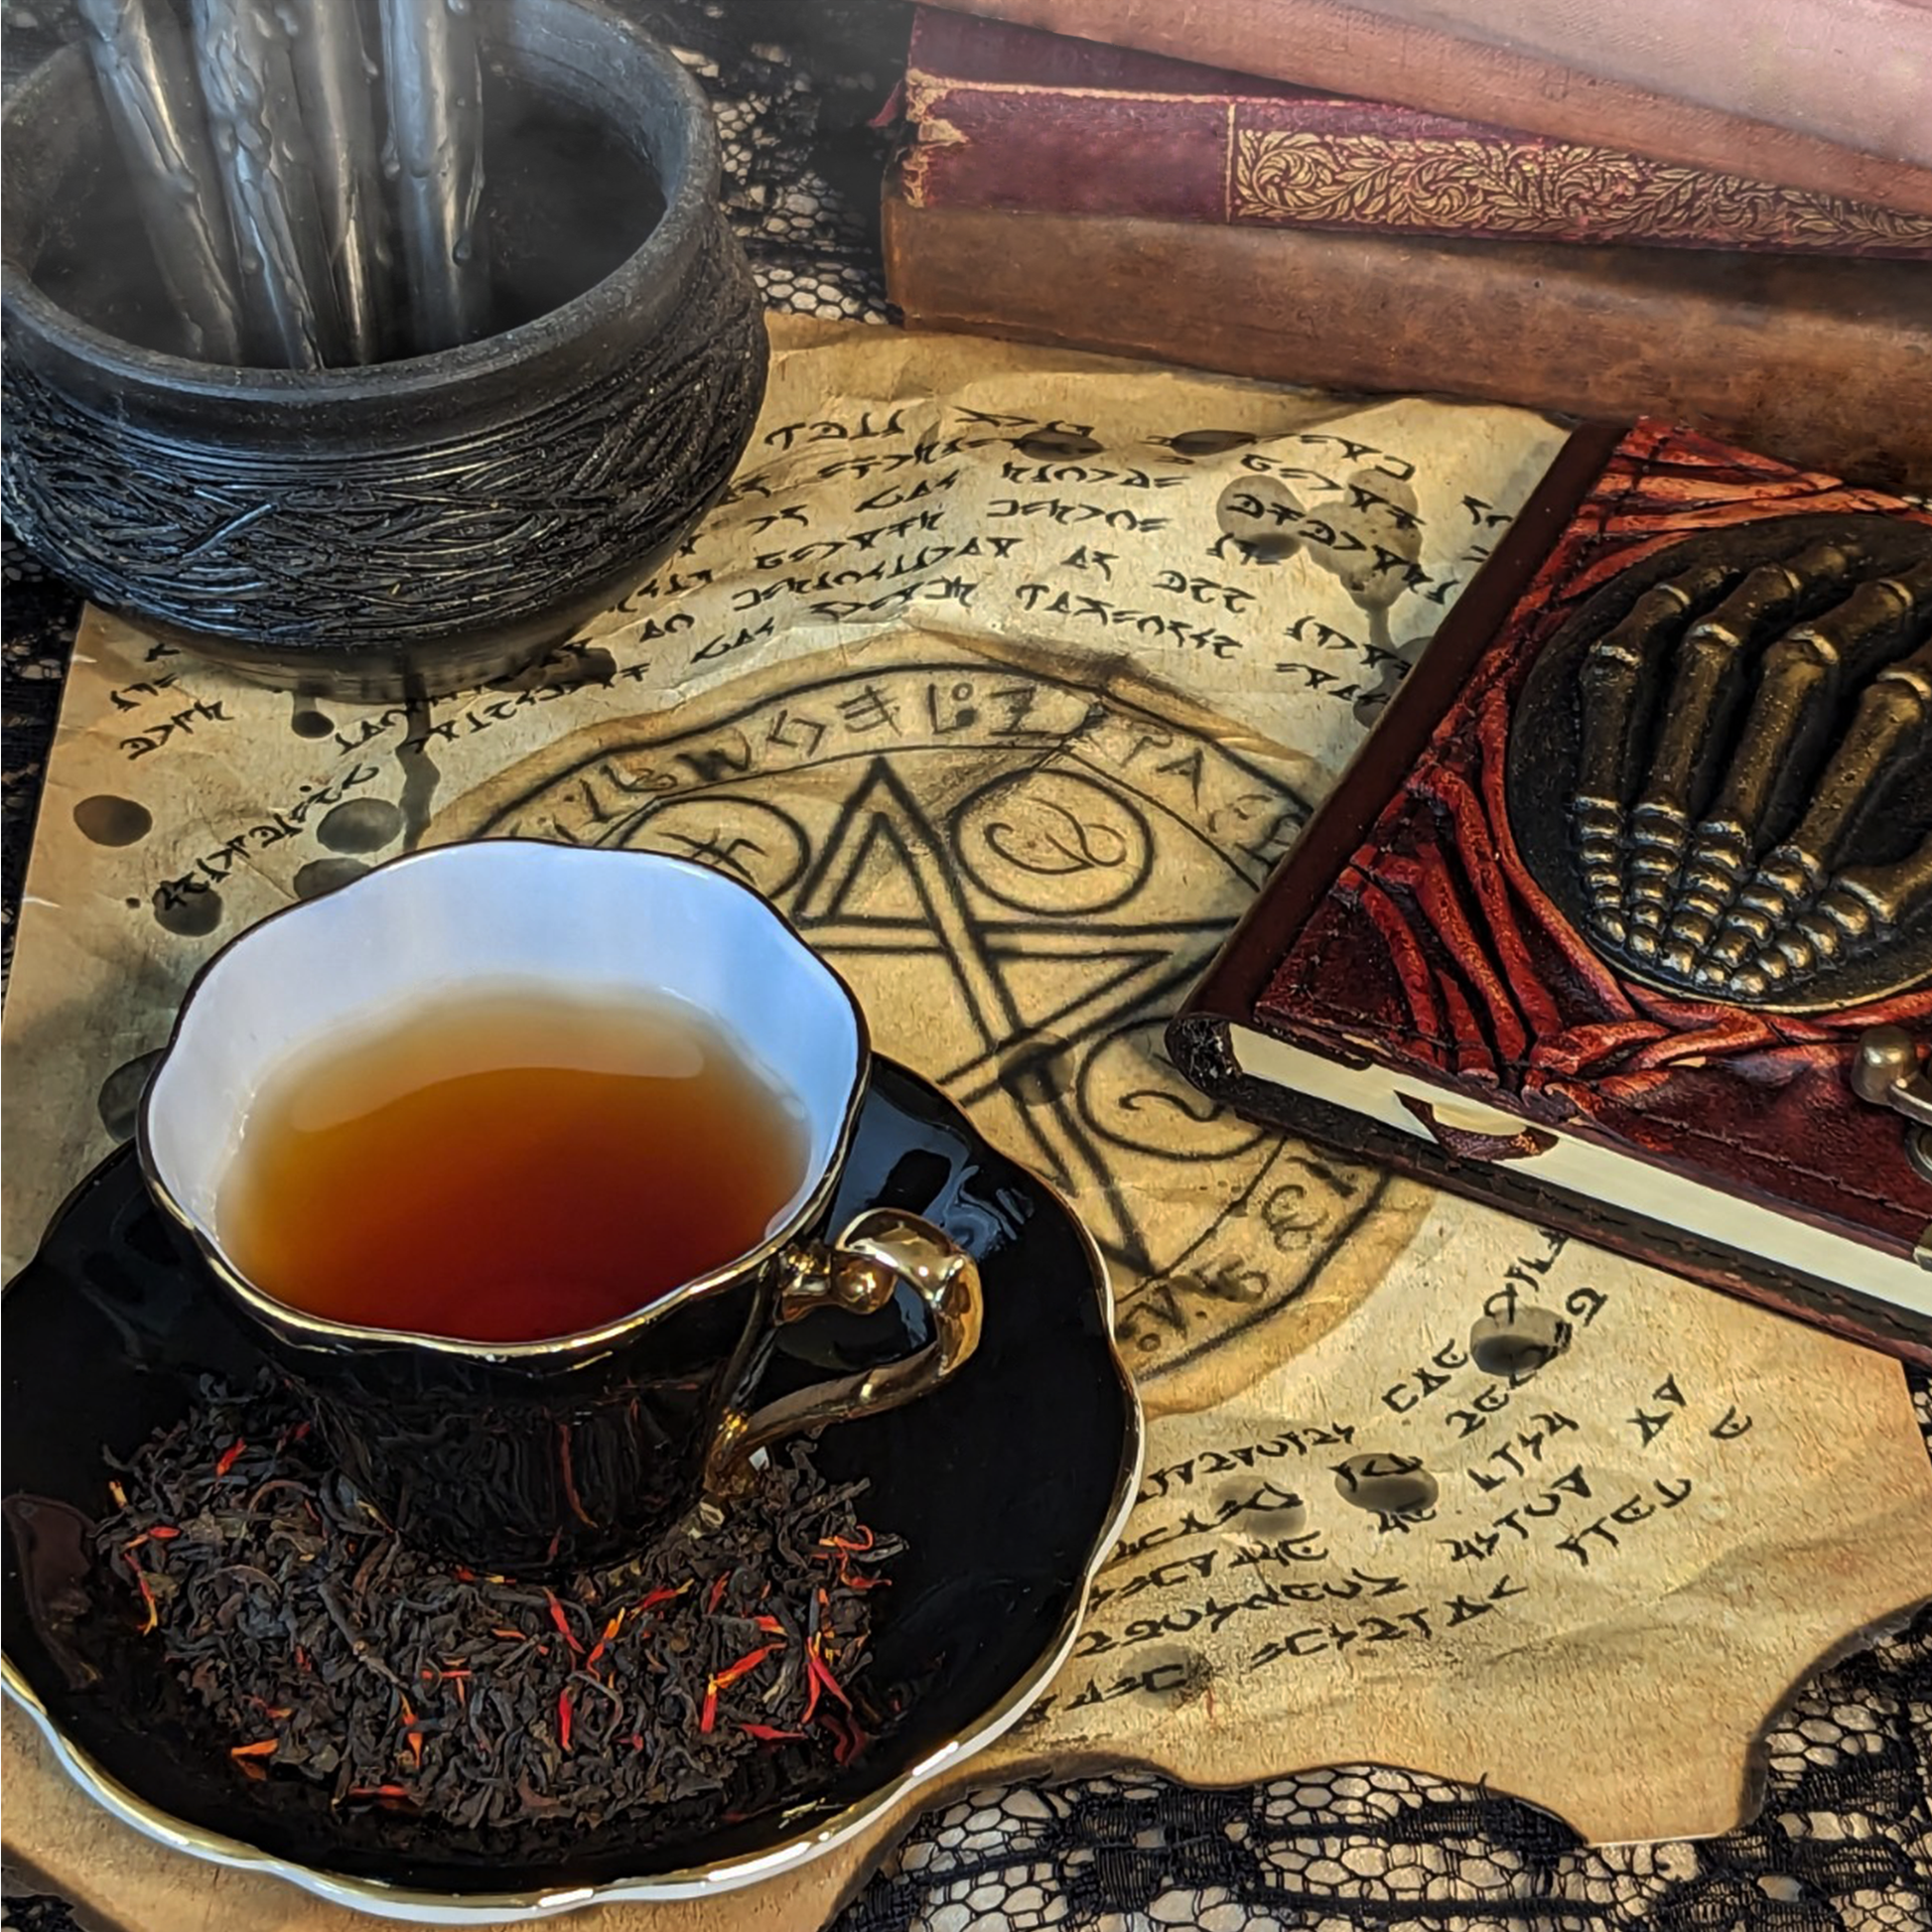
(1036, 990)
(1021, 879)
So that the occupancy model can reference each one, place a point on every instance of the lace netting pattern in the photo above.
(1843, 1841)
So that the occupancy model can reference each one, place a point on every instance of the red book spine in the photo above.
(1004, 117)
(1342, 48)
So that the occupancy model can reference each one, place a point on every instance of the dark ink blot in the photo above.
(187, 916)
(1262, 515)
(1521, 1346)
(119, 1099)
(1385, 525)
(1173, 1674)
(361, 825)
(108, 820)
(308, 723)
(1053, 445)
(1208, 442)
(420, 775)
(1391, 1485)
(321, 875)
(565, 669)
(1368, 708)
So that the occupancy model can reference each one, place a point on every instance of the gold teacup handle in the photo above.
(859, 1271)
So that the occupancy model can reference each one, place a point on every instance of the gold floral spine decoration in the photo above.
(1459, 185)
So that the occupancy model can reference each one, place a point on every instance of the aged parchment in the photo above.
(1537, 1517)
(956, 551)
(972, 679)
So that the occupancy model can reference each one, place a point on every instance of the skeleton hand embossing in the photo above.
(1738, 727)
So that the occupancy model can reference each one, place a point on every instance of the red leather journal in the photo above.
(1623, 917)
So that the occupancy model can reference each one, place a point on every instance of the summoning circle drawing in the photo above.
(1021, 877)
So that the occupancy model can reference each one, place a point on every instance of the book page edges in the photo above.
(1588, 1171)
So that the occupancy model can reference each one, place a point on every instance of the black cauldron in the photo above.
(407, 528)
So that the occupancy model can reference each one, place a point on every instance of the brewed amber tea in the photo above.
(509, 1167)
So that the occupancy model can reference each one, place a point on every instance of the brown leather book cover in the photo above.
(1633, 873)
(1345, 49)
(1824, 360)
(1005, 117)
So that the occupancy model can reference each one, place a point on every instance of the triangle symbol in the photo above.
(866, 871)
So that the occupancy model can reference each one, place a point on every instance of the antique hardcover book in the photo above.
(1342, 48)
(1856, 71)
(1005, 117)
(1825, 360)
(1623, 917)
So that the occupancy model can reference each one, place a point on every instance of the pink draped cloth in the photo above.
(1854, 72)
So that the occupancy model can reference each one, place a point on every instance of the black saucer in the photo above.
(1008, 1485)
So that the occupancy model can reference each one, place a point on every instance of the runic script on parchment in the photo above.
(1537, 1517)
(1009, 675)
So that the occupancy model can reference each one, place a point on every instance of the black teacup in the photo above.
(515, 1454)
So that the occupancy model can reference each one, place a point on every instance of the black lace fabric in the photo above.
(1843, 1841)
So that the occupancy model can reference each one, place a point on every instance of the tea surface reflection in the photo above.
(509, 1167)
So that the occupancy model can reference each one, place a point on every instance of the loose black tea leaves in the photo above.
(327, 1647)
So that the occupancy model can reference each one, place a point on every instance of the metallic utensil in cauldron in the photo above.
(332, 87)
(262, 153)
(147, 86)
(435, 91)
(268, 204)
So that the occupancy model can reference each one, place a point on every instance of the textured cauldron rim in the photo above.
(647, 277)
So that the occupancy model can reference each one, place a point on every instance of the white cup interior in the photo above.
(603, 926)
